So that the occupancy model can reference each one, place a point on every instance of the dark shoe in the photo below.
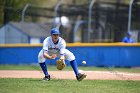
(46, 78)
(80, 77)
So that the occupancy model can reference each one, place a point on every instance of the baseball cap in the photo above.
(55, 31)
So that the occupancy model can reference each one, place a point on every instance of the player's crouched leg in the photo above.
(41, 61)
(79, 76)
(70, 57)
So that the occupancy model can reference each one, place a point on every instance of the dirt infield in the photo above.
(91, 75)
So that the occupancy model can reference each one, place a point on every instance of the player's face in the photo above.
(55, 37)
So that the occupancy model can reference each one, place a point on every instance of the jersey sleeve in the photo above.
(63, 47)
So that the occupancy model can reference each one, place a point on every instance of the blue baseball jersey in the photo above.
(127, 40)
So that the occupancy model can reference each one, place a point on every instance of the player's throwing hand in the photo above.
(53, 56)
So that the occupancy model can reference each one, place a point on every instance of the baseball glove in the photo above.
(60, 64)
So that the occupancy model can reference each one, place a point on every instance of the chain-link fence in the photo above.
(92, 21)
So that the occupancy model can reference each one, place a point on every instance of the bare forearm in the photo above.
(53, 56)
(47, 56)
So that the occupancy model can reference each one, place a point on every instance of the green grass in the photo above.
(12, 85)
(8, 85)
(68, 68)
(19, 67)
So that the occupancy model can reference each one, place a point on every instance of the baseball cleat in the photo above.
(80, 76)
(46, 78)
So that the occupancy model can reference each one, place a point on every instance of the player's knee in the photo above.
(73, 58)
(70, 57)
(41, 59)
(40, 62)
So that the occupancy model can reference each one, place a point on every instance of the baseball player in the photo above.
(55, 46)
(128, 39)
